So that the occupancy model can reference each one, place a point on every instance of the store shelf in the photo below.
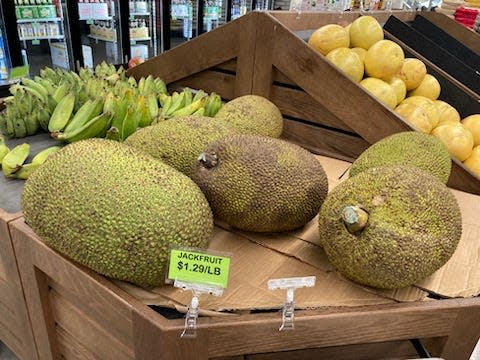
(141, 39)
(102, 38)
(51, 37)
(139, 14)
(97, 18)
(20, 21)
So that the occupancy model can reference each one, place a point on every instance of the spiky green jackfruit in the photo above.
(258, 183)
(115, 209)
(179, 141)
(407, 148)
(252, 114)
(389, 227)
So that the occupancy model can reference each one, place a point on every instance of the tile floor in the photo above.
(6, 354)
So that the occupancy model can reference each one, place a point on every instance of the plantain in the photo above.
(83, 115)
(178, 101)
(27, 169)
(200, 94)
(188, 96)
(130, 122)
(15, 158)
(20, 127)
(4, 149)
(43, 117)
(152, 105)
(160, 86)
(31, 123)
(61, 114)
(212, 104)
(189, 109)
(109, 103)
(96, 127)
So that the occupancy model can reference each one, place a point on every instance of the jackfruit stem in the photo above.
(354, 218)
(208, 160)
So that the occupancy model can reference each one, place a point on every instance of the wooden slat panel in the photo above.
(87, 332)
(99, 312)
(69, 347)
(458, 345)
(259, 333)
(210, 80)
(461, 33)
(230, 65)
(388, 350)
(263, 68)
(213, 48)
(246, 54)
(314, 19)
(324, 142)
(298, 104)
(281, 78)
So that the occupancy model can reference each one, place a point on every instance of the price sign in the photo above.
(198, 267)
(89, 22)
(35, 42)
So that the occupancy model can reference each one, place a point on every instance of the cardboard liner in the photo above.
(258, 257)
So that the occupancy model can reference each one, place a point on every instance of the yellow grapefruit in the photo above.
(429, 87)
(365, 31)
(381, 90)
(473, 161)
(383, 59)
(415, 116)
(412, 73)
(458, 140)
(427, 105)
(329, 37)
(347, 61)
(361, 52)
(447, 112)
(398, 86)
(472, 123)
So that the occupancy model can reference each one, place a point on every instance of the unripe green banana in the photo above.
(152, 105)
(199, 112)
(47, 84)
(61, 114)
(82, 116)
(141, 85)
(20, 127)
(120, 112)
(160, 86)
(31, 123)
(149, 85)
(27, 169)
(43, 117)
(188, 96)
(4, 149)
(130, 122)
(212, 104)
(15, 158)
(109, 103)
(200, 94)
(178, 100)
(60, 92)
(96, 127)
(189, 109)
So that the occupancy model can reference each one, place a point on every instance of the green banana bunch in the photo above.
(61, 114)
(213, 103)
(15, 158)
(130, 122)
(87, 112)
(160, 86)
(27, 169)
(4, 149)
(96, 127)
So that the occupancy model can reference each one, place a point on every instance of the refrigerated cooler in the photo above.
(42, 27)
(143, 31)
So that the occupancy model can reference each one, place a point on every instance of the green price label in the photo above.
(133, 42)
(35, 42)
(89, 22)
(198, 267)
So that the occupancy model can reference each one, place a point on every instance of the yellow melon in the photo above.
(415, 116)
(447, 112)
(429, 87)
(473, 161)
(398, 86)
(329, 37)
(458, 140)
(427, 105)
(412, 72)
(347, 61)
(472, 123)
(384, 58)
(365, 31)
(361, 52)
(381, 90)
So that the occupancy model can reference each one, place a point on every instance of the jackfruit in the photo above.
(253, 115)
(179, 140)
(407, 148)
(262, 184)
(115, 209)
(389, 227)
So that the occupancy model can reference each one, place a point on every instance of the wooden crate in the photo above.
(15, 329)
(82, 315)
(263, 53)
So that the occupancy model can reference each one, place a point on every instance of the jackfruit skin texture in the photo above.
(252, 115)
(407, 148)
(178, 141)
(262, 184)
(115, 209)
(413, 228)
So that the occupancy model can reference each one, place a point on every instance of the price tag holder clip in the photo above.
(290, 284)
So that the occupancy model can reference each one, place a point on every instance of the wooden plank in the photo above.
(387, 350)
(69, 347)
(461, 33)
(210, 49)
(15, 330)
(210, 80)
(230, 65)
(324, 141)
(460, 343)
(246, 53)
(298, 104)
(87, 331)
(259, 333)
(263, 66)
(314, 19)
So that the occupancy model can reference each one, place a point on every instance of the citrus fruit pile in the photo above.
(402, 84)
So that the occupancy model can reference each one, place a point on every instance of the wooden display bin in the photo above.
(81, 315)
(265, 53)
(15, 329)
(77, 314)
